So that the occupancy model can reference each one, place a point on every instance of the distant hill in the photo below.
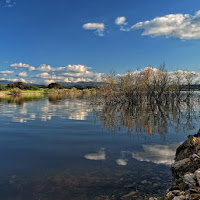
(81, 85)
(5, 82)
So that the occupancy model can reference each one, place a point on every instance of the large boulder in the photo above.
(186, 171)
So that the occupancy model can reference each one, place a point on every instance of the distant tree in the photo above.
(55, 86)
(19, 85)
(10, 86)
(0, 86)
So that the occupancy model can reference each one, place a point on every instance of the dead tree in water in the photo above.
(152, 86)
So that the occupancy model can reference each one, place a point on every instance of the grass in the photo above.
(68, 92)
(43, 91)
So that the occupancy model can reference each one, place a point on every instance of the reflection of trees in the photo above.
(148, 118)
(21, 99)
(55, 98)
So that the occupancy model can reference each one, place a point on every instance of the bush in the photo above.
(15, 91)
(55, 86)
(150, 87)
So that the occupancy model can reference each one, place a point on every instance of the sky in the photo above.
(44, 41)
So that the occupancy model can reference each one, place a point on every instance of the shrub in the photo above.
(15, 91)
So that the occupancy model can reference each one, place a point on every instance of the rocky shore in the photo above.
(186, 171)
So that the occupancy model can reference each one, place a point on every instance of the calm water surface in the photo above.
(54, 149)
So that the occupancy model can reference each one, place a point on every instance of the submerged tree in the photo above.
(151, 86)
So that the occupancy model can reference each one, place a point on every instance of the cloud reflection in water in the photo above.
(46, 109)
(122, 162)
(159, 154)
(100, 155)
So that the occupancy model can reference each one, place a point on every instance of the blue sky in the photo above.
(79, 40)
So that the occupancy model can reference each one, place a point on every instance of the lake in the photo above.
(67, 148)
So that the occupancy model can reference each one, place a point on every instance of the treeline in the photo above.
(16, 89)
(23, 86)
(19, 85)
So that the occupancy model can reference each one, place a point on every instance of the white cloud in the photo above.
(47, 82)
(46, 75)
(73, 69)
(9, 3)
(6, 72)
(22, 65)
(75, 80)
(23, 74)
(76, 73)
(70, 73)
(45, 68)
(98, 27)
(100, 155)
(183, 26)
(78, 68)
(22, 80)
(16, 80)
(10, 79)
(120, 21)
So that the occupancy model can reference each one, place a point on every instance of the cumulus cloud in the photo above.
(97, 27)
(46, 75)
(78, 68)
(70, 73)
(16, 80)
(100, 155)
(6, 72)
(47, 82)
(45, 68)
(77, 73)
(22, 65)
(22, 80)
(183, 26)
(120, 21)
(23, 74)
(72, 69)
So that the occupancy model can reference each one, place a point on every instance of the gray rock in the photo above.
(195, 156)
(197, 175)
(179, 198)
(178, 164)
(170, 195)
(189, 179)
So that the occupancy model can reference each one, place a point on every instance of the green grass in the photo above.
(64, 91)
(35, 91)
